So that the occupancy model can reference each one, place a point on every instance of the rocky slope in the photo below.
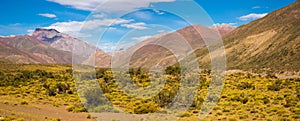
(270, 42)
(167, 49)
(26, 49)
(46, 46)
(64, 42)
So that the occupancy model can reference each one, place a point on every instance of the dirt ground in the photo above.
(39, 112)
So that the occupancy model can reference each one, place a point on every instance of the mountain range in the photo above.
(51, 46)
(45, 46)
(270, 42)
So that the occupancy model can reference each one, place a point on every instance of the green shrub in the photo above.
(103, 108)
(266, 100)
(89, 116)
(76, 108)
(173, 70)
(296, 111)
(20, 119)
(70, 108)
(145, 108)
(226, 110)
(24, 102)
(94, 98)
(79, 109)
(285, 119)
(240, 98)
(56, 119)
(232, 119)
(185, 114)
(275, 86)
(246, 85)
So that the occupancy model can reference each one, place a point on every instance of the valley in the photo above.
(50, 75)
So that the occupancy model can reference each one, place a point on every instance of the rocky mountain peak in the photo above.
(47, 35)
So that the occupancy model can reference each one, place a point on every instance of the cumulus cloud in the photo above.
(8, 36)
(90, 24)
(93, 24)
(30, 31)
(66, 26)
(223, 26)
(99, 15)
(48, 15)
(161, 31)
(73, 27)
(107, 5)
(252, 16)
(139, 26)
(220, 24)
(256, 7)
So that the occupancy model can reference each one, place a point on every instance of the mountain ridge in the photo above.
(44, 46)
(270, 42)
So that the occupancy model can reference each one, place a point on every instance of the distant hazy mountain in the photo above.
(223, 29)
(165, 49)
(64, 42)
(269, 42)
(44, 46)
(26, 49)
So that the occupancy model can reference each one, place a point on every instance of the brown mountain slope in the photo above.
(167, 49)
(270, 42)
(31, 48)
(64, 42)
(48, 46)
(10, 54)
(85, 53)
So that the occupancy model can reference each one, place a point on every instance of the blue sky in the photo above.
(135, 20)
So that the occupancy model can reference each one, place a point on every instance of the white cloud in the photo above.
(107, 5)
(79, 34)
(220, 24)
(73, 27)
(223, 26)
(15, 24)
(256, 7)
(112, 28)
(139, 26)
(107, 46)
(30, 31)
(66, 26)
(161, 31)
(8, 36)
(90, 24)
(252, 16)
(142, 15)
(48, 15)
(159, 12)
(141, 38)
(121, 21)
(93, 24)
(99, 15)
